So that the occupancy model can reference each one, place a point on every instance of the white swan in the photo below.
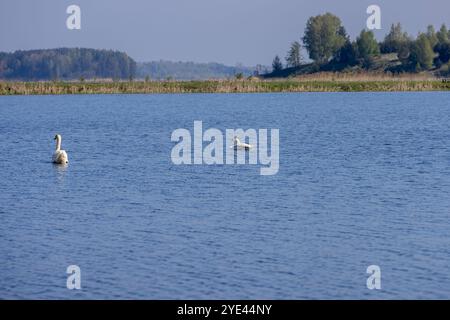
(60, 156)
(240, 145)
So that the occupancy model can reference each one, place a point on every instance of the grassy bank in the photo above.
(222, 86)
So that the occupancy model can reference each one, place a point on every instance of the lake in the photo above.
(364, 179)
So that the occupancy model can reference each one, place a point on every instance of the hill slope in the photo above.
(383, 63)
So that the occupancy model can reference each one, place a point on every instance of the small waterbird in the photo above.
(240, 145)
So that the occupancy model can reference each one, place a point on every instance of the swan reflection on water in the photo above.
(60, 170)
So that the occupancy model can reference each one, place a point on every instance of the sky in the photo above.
(249, 32)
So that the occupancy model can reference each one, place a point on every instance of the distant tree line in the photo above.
(66, 63)
(328, 44)
(163, 70)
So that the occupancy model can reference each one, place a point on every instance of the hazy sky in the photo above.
(226, 31)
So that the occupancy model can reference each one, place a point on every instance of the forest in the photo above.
(66, 64)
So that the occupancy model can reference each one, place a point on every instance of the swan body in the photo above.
(59, 156)
(240, 145)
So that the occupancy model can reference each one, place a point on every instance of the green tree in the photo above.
(324, 37)
(443, 51)
(395, 40)
(432, 37)
(294, 57)
(442, 48)
(367, 47)
(348, 54)
(443, 35)
(421, 57)
(277, 65)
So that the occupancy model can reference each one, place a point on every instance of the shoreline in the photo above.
(220, 86)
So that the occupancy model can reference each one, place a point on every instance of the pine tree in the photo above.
(277, 65)
(432, 37)
(395, 40)
(294, 58)
(443, 35)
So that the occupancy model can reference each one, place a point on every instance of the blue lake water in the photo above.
(364, 179)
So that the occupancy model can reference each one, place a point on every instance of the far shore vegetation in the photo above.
(324, 82)
(400, 62)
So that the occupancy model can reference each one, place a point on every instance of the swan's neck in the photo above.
(58, 144)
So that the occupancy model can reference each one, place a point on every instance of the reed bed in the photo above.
(365, 76)
(302, 84)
